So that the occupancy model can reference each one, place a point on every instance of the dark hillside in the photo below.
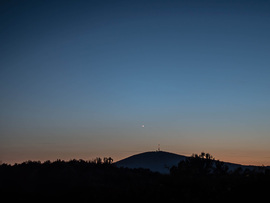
(101, 181)
(74, 181)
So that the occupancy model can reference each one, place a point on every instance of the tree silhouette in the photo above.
(203, 164)
(107, 160)
(97, 160)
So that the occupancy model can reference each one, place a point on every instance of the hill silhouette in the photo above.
(156, 161)
(161, 161)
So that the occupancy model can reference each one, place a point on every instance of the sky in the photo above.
(86, 79)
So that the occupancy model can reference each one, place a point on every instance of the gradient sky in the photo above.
(78, 79)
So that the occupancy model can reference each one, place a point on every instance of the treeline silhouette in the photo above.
(198, 178)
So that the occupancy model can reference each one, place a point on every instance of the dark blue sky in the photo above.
(78, 79)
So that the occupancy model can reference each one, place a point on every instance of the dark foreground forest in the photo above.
(197, 179)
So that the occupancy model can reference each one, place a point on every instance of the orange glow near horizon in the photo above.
(243, 158)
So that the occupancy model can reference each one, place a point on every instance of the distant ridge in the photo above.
(161, 161)
(156, 161)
